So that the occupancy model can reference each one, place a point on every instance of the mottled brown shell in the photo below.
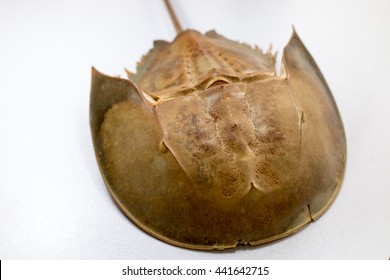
(206, 148)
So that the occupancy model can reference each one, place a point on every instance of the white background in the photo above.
(53, 202)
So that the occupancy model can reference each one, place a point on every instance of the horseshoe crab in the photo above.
(205, 147)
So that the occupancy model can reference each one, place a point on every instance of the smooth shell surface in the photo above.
(206, 148)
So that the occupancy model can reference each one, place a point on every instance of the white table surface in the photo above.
(53, 202)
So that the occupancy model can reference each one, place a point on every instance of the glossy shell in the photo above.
(206, 148)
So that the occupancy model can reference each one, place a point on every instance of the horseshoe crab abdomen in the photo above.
(193, 60)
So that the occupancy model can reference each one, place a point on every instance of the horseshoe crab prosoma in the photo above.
(205, 147)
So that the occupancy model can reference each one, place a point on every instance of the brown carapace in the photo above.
(205, 147)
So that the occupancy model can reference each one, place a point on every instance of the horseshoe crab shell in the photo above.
(205, 147)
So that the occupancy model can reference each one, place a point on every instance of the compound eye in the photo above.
(216, 82)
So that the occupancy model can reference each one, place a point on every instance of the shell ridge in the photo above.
(166, 142)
